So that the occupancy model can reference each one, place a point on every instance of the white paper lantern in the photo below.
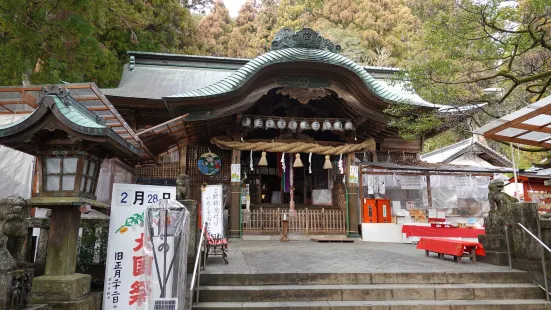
(337, 126)
(304, 125)
(327, 125)
(292, 125)
(315, 125)
(246, 122)
(258, 123)
(270, 124)
(281, 123)
(348, 125)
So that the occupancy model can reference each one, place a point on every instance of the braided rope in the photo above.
(294, 147)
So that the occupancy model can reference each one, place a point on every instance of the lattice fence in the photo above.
(192, 169)
(306, 221)
(162, 171)
(395, 157)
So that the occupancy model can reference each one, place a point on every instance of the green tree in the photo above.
(469, 46)
(214, 30)
(85, 40)
(243, 41)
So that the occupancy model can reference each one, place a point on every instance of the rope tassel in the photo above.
(298, 161)
(327, 164)
(263, 161)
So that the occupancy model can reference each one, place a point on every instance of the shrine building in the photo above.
(282, 130)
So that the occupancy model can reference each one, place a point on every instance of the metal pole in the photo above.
(514, 170)
(543, 263)
(508, 247)
(198, 283)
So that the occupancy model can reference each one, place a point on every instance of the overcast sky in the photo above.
(233, 6)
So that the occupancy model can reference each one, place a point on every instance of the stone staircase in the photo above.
(417, 290)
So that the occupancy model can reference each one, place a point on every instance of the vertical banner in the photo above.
(382, 186)
(124, 286)
(212, 208)
(370, 186)
(235, 172)
(353, 175)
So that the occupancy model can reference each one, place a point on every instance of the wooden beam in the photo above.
(521, 141)
(98, 109)
(87, 98)
(512, 123)
(18, 112)
(532, 128)
(19, 89)
(29, 100)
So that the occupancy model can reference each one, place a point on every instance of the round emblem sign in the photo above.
(209, 163)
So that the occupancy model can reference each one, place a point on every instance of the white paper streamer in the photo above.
(251, 163)
(283, 161)
(341, 168)
(310, 161)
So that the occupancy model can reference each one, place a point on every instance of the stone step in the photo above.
(366, 278)
(501, 304)
(474, 291)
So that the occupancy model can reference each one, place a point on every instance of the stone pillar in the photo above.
(235, 209)
(63, 241)
(61, 286)
(352, 200)
(191, 206)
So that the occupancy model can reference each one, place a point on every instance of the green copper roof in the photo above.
(75, 115)
(290, 55)
(72, 114)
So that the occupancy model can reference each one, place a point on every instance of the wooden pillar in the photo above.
(183, 159)
(429, 191)
(235, 210)
(352, 199)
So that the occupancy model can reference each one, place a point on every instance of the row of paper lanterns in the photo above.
(293, 125)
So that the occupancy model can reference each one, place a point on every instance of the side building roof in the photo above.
(451, 152)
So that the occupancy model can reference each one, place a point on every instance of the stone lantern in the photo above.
(69, 142)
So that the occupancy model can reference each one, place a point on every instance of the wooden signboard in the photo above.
(322, 197)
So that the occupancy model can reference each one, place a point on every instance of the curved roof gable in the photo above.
(290, 55)
(73, 115)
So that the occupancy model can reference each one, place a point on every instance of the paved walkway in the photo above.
(358, 257)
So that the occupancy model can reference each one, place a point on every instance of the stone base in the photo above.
(37, 307)
(16, 278)
(66, 288)
(493, 242)
(495, 258)
(90, 301)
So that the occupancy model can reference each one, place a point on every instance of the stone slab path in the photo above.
(246, 257)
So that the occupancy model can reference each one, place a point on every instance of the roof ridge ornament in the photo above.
(304, 38)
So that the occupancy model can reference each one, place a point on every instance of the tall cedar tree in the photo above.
(214, 30)
(243, 41)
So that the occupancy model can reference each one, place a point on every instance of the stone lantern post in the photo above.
(70, 142)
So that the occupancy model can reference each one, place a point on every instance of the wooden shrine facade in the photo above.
(302, 99)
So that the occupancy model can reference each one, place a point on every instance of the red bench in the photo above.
(456, 248)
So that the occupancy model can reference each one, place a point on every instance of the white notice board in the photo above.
(212, 209)
(124, 286)
(322, 197)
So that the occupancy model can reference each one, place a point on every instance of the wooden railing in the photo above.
(332, 221)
